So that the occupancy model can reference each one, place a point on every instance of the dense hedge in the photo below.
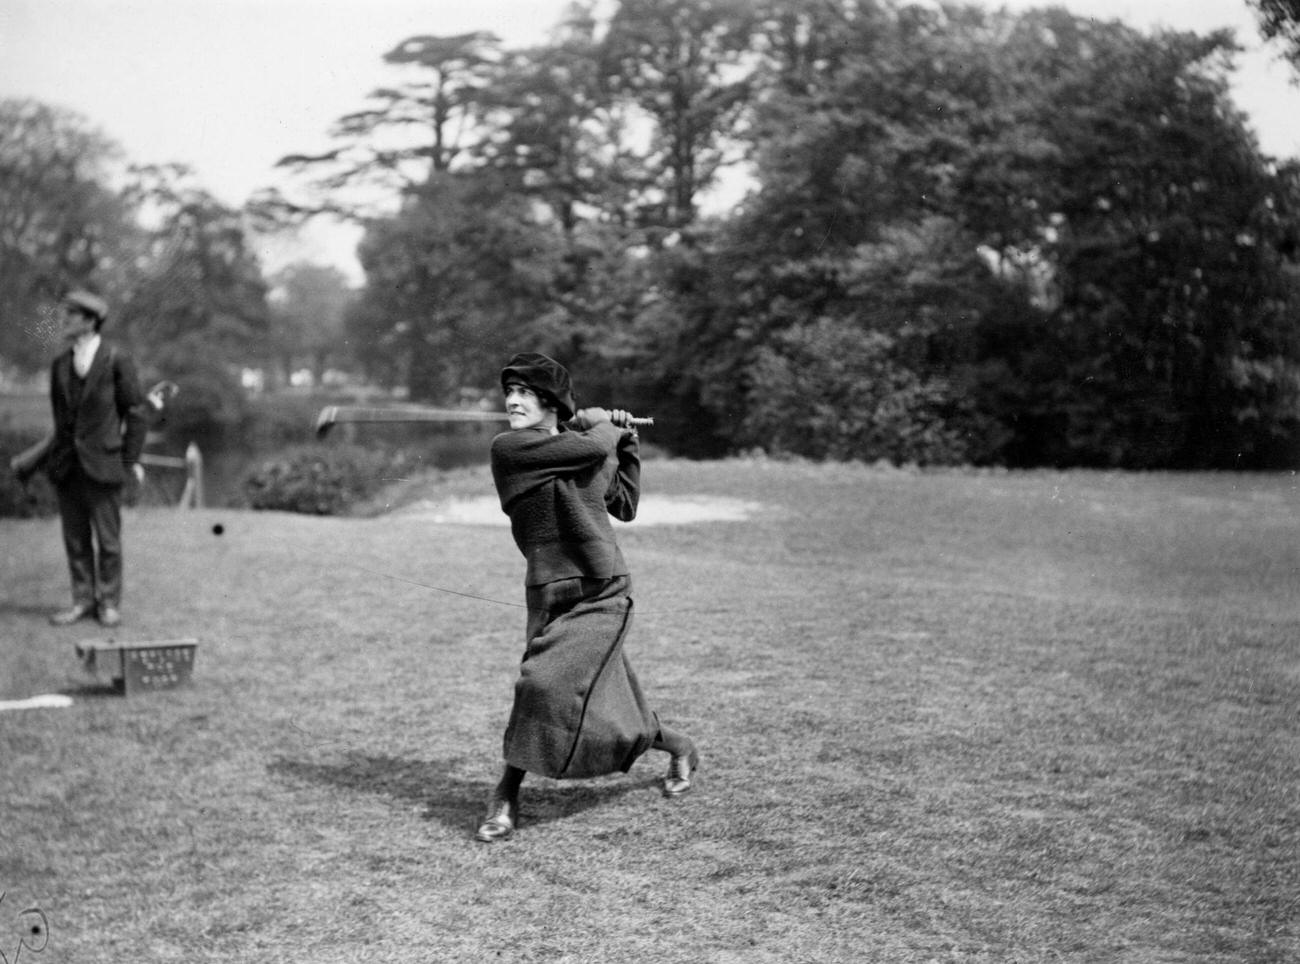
(318, 479)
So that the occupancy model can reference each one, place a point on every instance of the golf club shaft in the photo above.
(333, 415)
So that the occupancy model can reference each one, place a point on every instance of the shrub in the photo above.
(37, 498)
(318, 479)
(831, 390)
(211, 406)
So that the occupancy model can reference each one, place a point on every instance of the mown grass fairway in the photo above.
(948, 717)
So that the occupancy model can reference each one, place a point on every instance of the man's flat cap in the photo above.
(91, 304)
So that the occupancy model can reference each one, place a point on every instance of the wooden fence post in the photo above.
(192, 497)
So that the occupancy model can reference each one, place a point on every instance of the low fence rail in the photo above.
(192, 463)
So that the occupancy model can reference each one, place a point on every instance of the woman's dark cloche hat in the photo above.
(545, 376)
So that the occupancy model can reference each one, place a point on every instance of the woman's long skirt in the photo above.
(579, 710)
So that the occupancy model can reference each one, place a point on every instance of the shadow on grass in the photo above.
(10, 607)
(93, 691)
(454, 801)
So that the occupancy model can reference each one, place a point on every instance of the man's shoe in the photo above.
(680, 769)
(499, 824)
(109, 617)
(67, 617)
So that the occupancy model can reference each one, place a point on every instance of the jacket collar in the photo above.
(98, 366)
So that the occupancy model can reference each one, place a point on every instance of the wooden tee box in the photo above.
(135, 667)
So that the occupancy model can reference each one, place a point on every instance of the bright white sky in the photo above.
(230, 86)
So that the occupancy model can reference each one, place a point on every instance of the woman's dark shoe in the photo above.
(499, 824)
(680, 769)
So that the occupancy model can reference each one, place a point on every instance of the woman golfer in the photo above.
(578, 709)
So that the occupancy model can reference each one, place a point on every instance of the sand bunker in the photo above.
(653, 510)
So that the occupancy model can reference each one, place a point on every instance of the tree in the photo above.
(194, 301)
(1130, 310)
(1166, 247)
(869, 115)
(452, 282)
(413, 132)
(450, 269)
(61, 223)
(550, 118)
(864, 121)
(1280, 21)
(1040, 238)
(308, 304)
(200, 279)
(684, 64)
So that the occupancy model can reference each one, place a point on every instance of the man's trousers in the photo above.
(92, 538)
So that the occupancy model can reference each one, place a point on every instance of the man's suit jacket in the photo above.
(105, 430)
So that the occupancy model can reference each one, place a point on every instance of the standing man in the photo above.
(99, 430)
(579, 710)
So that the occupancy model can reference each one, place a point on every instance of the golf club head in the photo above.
(325, 420)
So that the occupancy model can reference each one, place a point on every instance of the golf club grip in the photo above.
(632, 422)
